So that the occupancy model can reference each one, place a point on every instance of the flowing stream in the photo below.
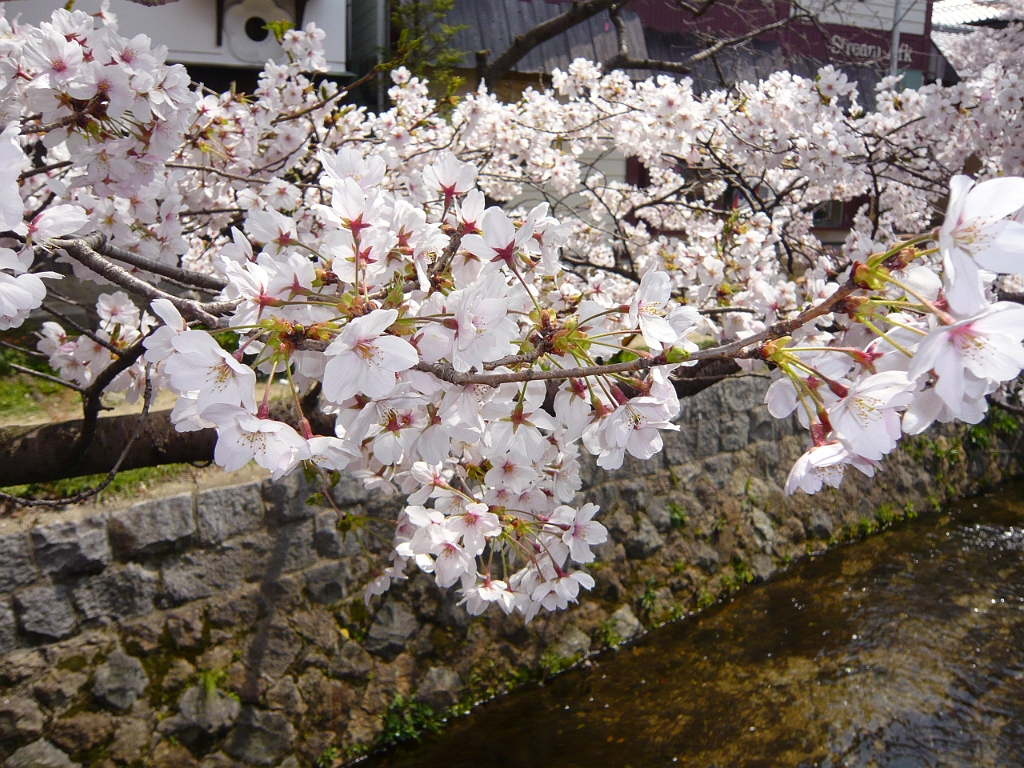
(906, 650)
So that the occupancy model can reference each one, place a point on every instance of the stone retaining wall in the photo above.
(226, 626)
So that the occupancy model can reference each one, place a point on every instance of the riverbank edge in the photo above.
(225, 626)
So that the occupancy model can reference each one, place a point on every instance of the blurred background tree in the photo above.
(421, 30)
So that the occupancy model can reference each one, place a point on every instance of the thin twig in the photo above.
(45, 169)
(82, 329)
(341, 92)
(47, 377)
(23, 350)
(726, 310)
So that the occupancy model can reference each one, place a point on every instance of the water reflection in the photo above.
(905, 650)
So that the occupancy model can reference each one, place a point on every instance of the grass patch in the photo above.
(407, 719)
(21, 393)
(127, 483)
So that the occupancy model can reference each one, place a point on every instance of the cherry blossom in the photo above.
(243, 437)
(365, 361)
(200, 365)
(988, 346)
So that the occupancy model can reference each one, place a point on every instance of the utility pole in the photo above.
(894, 52)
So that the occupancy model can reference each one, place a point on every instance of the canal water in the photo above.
(903, 650)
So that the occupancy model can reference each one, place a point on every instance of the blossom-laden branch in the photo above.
(464, 354)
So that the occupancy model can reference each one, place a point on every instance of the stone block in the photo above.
(441, 686)
(72, 546)
(294, 545)
(285, 499)
(707, 404)
(20, 719)
(285, 696)
(153, 527)
(279, 550)
(59, 688)
(820, 525)
(329, 541)
(761, 567)
(198, 574)
(388, 681)
(82, 732)
(704, 556)
(317, 628)
(572, 643)
(225, 512)
(761, 427)
(718, 469)
(119, 681)
(735, 433)
(633, 494)
(131, 737)
(117, 593)
(624, 624)
(8, 627)
(643, 541)
(660, 515)
(179, 673)
(20, 666)
(740, 394)
(348, 491)
(16, 565)
(40, 754)
(272, 649)
(352, 662)
(239, 609)
(681, 446)
(185, 628)
(707, 437)
(46, 611)
(146, 633)
(391, 630)
(764, 532)
(329, 701)
(201, 712)
(260, 738)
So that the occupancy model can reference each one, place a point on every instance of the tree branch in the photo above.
(38, 454)
(81, 250)
(581, 11)
(98, 242)
(88, 494)
(46, 377)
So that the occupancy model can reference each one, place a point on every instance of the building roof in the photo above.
(960, 15)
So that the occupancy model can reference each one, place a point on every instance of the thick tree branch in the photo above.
(98, 242)
(622, 59)
(38, 454)
(33, 455)
(581, 11)
(97, 489)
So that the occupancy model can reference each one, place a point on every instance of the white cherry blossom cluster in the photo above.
(465, 351)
